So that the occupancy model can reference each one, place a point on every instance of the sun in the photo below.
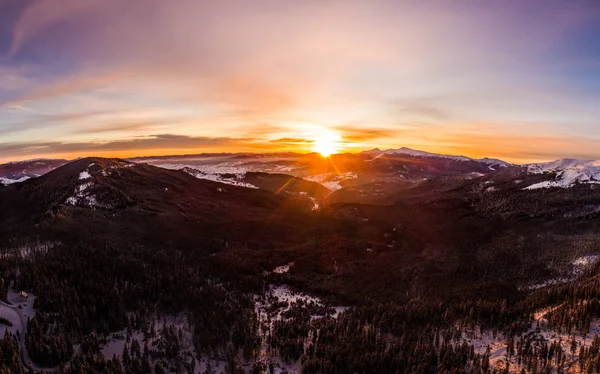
(326, 143)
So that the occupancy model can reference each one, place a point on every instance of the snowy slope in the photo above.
(491, 162)
(234, 179)
(567, 173)
(333, 181)
(7, 181)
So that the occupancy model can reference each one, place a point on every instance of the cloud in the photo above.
(251, 69)
(120, 127)
(504, 141)
(16, 108)
(154, 143)
(292, 141)
(42, 14)
(84, 81)
(358, 135)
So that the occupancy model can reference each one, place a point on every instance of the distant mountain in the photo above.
(380, 171)
(565, 173)
(334, 173)
(14, 172)
(491, 162)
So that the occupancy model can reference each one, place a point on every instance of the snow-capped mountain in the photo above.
(414, 153)
(566, 172)
(20, 171)
(492, 163)
(339, 171)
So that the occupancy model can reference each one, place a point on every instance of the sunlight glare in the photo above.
(326, 143)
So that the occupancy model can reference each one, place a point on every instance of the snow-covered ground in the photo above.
(272, 306)
(582, 263)
(7, 181)
(12, 316)
(578, 266)
(274, 295)
(82, 196)
(234, 179)
(283, 268)
(226, 166)
(312, 199)
(497, 343)
(585, 260)
(568, 172)
(154, 339)
(17, 313)
(27, 250)
(332, 181)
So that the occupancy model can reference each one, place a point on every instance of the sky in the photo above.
(516, 80)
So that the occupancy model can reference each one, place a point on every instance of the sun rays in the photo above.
(327, 142)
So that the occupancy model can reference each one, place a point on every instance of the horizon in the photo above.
(509, 80)
(225, 153)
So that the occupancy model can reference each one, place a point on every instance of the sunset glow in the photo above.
(508, 79)
(327, 143)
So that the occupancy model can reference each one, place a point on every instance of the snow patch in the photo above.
(538, 331)
(579, 265)
(17, 313)
(178, 325)
(7, 181)
(82, 196)
(585, 260)
(283, 268)
(332, 181)
(234, 179)
(84, 175)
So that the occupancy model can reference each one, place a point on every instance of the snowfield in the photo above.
(234, 179)
(568, 172)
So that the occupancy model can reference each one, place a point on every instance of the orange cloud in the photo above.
(292, 141)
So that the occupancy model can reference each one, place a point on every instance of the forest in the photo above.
(84, 295)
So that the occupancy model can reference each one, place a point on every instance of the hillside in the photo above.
(241, 271)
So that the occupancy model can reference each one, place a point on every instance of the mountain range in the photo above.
(338, 171)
